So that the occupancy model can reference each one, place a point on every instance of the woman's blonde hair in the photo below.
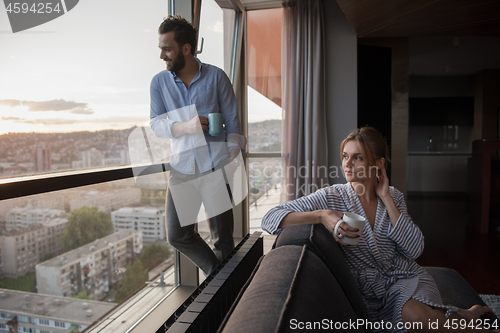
(371, 143)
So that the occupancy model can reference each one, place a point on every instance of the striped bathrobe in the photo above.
(383, 261)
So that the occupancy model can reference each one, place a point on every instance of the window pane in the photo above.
(73, 88)
(100, 242)
(212, 31)
(264, 176)
(264, 80)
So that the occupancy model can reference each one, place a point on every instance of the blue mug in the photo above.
(215, 124)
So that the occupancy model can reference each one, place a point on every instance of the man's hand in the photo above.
(196, 125)
(193, 126)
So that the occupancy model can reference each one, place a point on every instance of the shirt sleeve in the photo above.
(406, 234)
(227, 104)
(159, 122)
(312, 202)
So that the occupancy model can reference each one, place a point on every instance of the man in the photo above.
(181, 99)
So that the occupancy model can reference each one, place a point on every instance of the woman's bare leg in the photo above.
(418, 312)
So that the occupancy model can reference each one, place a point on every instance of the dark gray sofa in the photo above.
(305, 281)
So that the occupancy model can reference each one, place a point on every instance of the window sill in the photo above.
(147, 310)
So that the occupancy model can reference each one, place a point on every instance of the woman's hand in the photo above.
(330, 218)
(383, 192)
(382, 185)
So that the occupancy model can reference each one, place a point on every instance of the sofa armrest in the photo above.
(317, 238)
(291, 287)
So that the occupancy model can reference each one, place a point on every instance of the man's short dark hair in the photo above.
(184, 32)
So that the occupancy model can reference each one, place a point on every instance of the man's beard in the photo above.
(177, 64)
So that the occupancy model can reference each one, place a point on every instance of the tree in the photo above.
(81, 295)
(85, 225)
(153, 255)
(48, 256)
(133, 279)
(67, 207)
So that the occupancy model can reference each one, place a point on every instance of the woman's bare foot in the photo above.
(474, 312)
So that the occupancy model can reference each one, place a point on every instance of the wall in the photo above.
(440, 86)
(341, 82)
(9, 254)
(486, 89)
(400, 70)
(48, 280)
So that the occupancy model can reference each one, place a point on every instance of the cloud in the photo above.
(80, 110)
(53, 105)
(55, 121)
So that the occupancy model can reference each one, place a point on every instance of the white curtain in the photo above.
(305, 148)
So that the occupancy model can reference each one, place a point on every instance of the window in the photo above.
(23, 319)
(212, 31)
(94, 96)
(43, 321)
(264, 110)
(100, 98)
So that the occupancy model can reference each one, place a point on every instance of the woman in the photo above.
(394, 287)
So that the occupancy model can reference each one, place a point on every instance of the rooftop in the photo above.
(84, 251)
(22, 231)
(63, 309)
(55, 222)
(139, 210)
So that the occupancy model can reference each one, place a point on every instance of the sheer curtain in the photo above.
(305, 148)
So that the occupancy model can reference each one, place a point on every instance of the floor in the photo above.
(450, 243)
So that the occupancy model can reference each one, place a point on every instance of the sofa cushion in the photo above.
(455, 290)
(317, 238)
(292, 288)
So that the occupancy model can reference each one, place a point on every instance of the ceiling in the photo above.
(446, 37)
(406, 18)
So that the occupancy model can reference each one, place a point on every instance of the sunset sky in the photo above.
(89, 69)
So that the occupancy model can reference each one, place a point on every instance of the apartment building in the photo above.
(106, 201)
(22, 217)
(150, 221)
(22, 249)
(38, 313)
(93, 268)
(42, 161)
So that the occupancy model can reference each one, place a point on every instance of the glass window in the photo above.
(264, 80)
(43, 321)
(216, 28)
(111, 279)
(59, 324)
(264, 111)
(72, 89)
(212, 31)
(264, 176)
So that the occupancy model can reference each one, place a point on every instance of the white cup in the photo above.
(352, 220)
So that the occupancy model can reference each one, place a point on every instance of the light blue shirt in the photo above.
(209, 92)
